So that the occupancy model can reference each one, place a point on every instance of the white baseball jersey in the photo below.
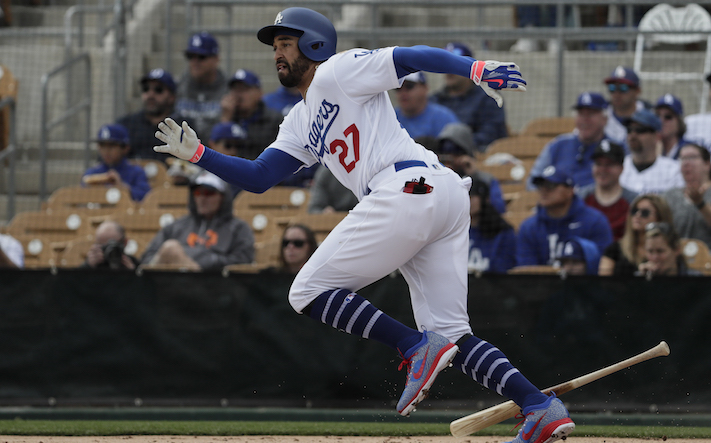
(663, 175)
(347, 121)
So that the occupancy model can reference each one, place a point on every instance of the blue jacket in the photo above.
(495, 254)
(566, 152)
(429, 123)
(281, 100)
(540, 237)
(132, 175)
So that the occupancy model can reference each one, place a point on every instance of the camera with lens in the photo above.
(113, 253)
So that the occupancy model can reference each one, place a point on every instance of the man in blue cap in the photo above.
(471, 104)
(203, 85)
(113, 168)
(560, 214)
(624, 87)
(573, 151)
(644, 170)
(416, 114)
(158, 98)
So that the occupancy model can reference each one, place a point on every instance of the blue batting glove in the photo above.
(494, 76)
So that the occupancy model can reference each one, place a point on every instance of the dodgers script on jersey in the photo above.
(347, 122)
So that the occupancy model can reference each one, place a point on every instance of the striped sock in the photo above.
(489, 366)
(351, 313)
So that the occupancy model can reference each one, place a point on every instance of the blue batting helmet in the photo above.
(317, 36)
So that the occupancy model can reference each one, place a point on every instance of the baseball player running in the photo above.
(412, 215)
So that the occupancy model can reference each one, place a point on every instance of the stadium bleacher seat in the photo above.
(278, 197)
(92, 200)
(549, 127)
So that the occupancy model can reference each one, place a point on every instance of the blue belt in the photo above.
(399, 166)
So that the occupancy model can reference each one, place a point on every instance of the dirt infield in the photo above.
(308, 439)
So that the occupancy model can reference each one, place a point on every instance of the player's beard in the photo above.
(295, 72)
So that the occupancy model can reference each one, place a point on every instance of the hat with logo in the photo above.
(456, 139)
(247, 77)
(571, 250)
(457, 48)
(554, 175)
(162, 76)
(671, 102)
(611, 150)
(416, 77)
(209, 180)
(591, 100)
(112, 134)
(227, 131)
(622, 74)
(202, 43)
(646, 118)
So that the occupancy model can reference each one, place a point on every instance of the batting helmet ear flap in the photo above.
(317, 40)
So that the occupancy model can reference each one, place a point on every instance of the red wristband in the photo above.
(477, 71)
(198, 154)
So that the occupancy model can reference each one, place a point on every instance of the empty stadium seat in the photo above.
(156, 171)
(278, 197)
(522, 147)
(549, 127)
(93, 200)
(320, 224)
(165, 199)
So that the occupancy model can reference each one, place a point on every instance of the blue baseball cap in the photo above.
(622, 74)
(415, 77)
(592, 100)
(112, 134)
(227, 131)
(554, 175)
(457, 48)
(571, 250)
(671, 102)
(247, 77)
(202, 43)
(162, 76)
(646, 118)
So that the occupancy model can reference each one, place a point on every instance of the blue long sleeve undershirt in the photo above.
(273, 166)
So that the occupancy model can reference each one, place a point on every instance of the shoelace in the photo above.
(406, 362)
(523, 420)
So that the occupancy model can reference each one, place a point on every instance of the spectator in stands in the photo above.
(471, 104)
(243, 105)
(328, 195)
(158, 99)
(209, 237)
(697, 125)
(282, 99)
(573, 152)
(107, 252)
(623, 257)
(691, 205)
(644, 171)
(114, 169)
(670, 111)
(492, 241)
(298, 243)
(416, 113)
(624, 87)
(560, 215)
(578, 256)
(662, 247)
(204, 84)
(455, 149)
(12, 255)
(230, 139)
(606, 194)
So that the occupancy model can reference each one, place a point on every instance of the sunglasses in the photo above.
(618, 87)
(206, 192)
(195, 57)
(296, 243)
(642, 212)
(639, 130)
(157, 89)
(665, 116)
(407, 86)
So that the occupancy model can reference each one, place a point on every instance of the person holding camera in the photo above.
(107, 252)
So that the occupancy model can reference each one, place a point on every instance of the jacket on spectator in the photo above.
(141, 132)
(540, 236)
(262, 128)
(201, 103)
(132, 175)
(430, 123)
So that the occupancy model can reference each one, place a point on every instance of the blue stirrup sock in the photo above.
(351, 313)
(489, 366)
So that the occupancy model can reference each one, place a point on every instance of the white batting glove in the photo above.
(494, 76)
(180, 142)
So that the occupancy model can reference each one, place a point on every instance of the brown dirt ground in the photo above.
(310, 439)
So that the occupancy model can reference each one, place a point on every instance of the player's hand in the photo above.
(494, 76)
(181, 142)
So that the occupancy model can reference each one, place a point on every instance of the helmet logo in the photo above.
(278, 19)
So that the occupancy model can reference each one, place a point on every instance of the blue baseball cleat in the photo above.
(424, 361)
(545, 423)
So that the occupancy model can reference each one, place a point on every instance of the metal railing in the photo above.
(10, 153)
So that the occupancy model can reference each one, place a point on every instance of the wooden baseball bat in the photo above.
(496, 414)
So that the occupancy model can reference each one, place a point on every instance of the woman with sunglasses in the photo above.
(623, 257)
(297, 244)
(662, 246)
(670, 111)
